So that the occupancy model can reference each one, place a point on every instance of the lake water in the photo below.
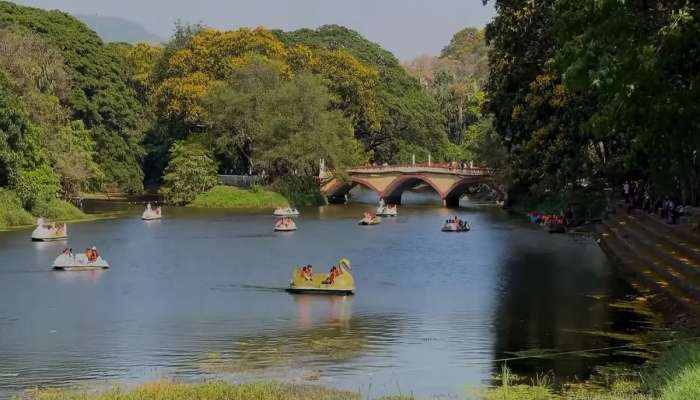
(200, 295)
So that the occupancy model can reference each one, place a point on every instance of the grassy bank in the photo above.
(210, 391)
(232, 197)
(11, 211)
(13, 214)
(675, 376)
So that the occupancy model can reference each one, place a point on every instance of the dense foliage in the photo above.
(80, 115)
(191, 171)
(410, 123)
(591, 93)
(93, 87)
(456, 80)
(232, 197)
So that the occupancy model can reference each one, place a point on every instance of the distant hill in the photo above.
(116, 29)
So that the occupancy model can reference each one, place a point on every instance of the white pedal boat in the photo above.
(370, 220)
(286, 212)
(461, 226)
(387, 210)
(285, 225)
(151, 214)
(78, 262)
(45, 232)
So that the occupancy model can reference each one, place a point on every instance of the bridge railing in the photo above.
(433, 167)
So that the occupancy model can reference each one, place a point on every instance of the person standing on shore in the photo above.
(626, 191)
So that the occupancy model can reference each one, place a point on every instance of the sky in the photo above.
(408, 28)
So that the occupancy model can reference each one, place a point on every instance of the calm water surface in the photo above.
(200, 295)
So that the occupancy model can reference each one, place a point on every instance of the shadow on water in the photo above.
(550, 304)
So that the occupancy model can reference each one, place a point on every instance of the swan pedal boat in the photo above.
(387, 211)
(151, 214)
(79, 262)
(343, 285)
(452, 227)
(376, 220)
(286, 212)
(45, 232)
(280, 227)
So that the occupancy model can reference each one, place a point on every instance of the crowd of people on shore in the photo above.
(642, 196)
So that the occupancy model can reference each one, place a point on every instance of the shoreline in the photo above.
(90, 218)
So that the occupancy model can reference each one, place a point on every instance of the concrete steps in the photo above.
(656, 252)
(662, 260)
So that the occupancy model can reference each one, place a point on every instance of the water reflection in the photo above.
(336, 309)
(551, 304)
(321, 345)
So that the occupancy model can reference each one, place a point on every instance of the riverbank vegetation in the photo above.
(673, 377)
(101, 117)
(586, 95)
(232, 197)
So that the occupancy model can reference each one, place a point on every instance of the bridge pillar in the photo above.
(450, 201)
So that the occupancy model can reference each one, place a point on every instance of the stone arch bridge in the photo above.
(389, 182)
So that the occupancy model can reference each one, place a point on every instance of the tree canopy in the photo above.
(596, 92)
(98, 93)
(411, 121)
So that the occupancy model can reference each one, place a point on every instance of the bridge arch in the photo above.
(390, 182)
(458, 189)
(392, 194)
(339, 188)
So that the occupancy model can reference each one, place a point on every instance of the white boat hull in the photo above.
(48, 234)
(150, 215)
(387, 212)
(78, 263)
(286, 212)
(456, 228)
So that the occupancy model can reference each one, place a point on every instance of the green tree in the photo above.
(411, 120)
(99, 94)
(191, 171)
(39, 185)
(278, 125)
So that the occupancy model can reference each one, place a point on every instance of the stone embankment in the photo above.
(660, 259)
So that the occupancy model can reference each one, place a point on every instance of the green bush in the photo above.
(36, 185)
(232, 197)
(11, 211)
(677, 375)
(300, 190)
(191, 171)
(56, 209)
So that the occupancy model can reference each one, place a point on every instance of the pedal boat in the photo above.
(79, 262)
(343, 285)
(286, 212)
(387, 211)
(452, 227)
(290, 226)
(375, 220)
(151, 214)
(45, 232)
